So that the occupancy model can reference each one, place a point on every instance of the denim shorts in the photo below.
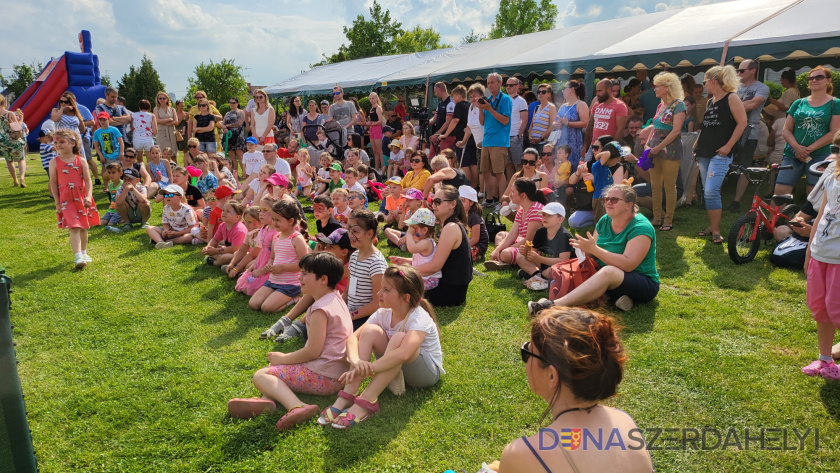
(788, 177)
(207, 147)
(286, 289)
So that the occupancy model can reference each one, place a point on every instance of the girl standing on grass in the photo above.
(70, 182)
(404, 337)
(822, 265)
(315, 368)
(287, 249)
(248, 282)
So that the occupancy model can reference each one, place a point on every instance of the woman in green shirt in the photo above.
(624, 245)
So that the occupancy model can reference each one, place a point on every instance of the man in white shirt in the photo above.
(519, 121)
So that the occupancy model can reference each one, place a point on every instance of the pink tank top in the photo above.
(284, 253)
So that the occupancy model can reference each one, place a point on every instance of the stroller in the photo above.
(336, 138)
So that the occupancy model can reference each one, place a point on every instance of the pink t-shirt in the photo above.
(605, 118)
(234, 236)
(533, 215)
(332, 361)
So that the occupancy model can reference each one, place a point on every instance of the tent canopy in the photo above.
(694, 36)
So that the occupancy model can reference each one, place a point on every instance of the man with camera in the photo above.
(440, 120)
(495, 117)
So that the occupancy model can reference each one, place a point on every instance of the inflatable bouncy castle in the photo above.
(74, 72)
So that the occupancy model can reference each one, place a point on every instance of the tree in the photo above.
(105, 80)
(517, 17)
(140, 83)
(221, 81)
(368, 38)
(473, 38)
(417, 40)
(23, 76)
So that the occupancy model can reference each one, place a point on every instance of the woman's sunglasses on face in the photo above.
(528, 162)
(526, 353)
(613, 200)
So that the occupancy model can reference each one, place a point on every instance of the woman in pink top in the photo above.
(528, 220)
(315, 368)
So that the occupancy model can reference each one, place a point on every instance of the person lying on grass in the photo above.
(177, 222)
(624, 246)
(315, 368)
(403, 336)
(229, 236)
(251, 220)
(248, 282)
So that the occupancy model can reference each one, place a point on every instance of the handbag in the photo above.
(494, 225)
(569, 274)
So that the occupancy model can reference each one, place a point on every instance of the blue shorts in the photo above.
(286, 289)
(636, 286)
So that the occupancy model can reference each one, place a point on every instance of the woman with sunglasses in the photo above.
(809, 128)
(530, 163)
(624, 246)
(574, 360)
(199, 96)
(453, 254)
(572, 119)
(204, 126)
(262, 119)
(234, 122)
(542, 121)
(166, 118)
(420, 171)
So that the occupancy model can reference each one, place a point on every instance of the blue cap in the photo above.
(252, 140)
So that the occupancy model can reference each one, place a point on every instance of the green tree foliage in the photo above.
(517, 17)
(473, 37)
(802, 83)
(368, 38)
(22, 76)
(776, 90)
(140, 83)
(417, 40)
(221, 81)
(105, 80)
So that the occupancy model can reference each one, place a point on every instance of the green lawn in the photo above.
(128, 365)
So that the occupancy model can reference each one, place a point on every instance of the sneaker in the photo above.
(209, 260)
(97, 182)
(126, 227)
(535, 308)
(480, 196)
(498, 209)
(489, 203)
(735, 207)
(537, 283)
(624, 303)
(87, 258)
(80, 262)
(113, 229)
(504, 211)
(196, 241)
(522, 274)
(145, 225)
(164, 244)
(495, 265)
(816, 367)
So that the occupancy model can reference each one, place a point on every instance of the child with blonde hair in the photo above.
(420, 242)
(304, 172)
(248, 282)
(242, 258)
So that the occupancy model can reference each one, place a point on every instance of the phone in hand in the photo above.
(482, 100)
(796, 224)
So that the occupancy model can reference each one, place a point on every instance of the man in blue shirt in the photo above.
(495, 117)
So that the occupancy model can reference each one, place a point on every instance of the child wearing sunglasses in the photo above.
(177, 222)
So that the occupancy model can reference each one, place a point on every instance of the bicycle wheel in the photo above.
(742, 247)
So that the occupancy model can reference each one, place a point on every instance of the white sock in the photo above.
(84, 252)
(826, 359)
(78, 254)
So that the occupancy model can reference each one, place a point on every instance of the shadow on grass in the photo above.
(640, 319)
(830, 397)
(35, 276)
(245, 318)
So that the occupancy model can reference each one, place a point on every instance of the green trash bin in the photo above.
(16, 452)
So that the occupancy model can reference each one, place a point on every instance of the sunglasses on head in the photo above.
(416, 161)
(437, 201)
(613, 200)
(526, 353)
(529, 162)
(166, 196)
(834, 149)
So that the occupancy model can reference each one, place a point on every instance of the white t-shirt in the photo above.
(825, 246)
(356, 186)
(519, 104)
(251, 105)
(476, 128)
(282, 166)
(180, 219)
(419, 320)
(252, 162)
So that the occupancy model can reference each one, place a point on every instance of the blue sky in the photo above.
(272, 39)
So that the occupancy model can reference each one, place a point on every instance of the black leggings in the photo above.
(447, 295)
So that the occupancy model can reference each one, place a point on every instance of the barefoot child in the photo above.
(404, 337)
(228, 237)
(177, 222)
(70, 183)
(315, 368)
(248, 283)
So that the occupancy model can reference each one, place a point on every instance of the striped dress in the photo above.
(284, 253)
(539, 124)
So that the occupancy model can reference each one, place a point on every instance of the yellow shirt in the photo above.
(414, 180)
(564, 170)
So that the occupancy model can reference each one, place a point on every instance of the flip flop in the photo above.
(247, 408)
(297, 415)
(706, 232)
(666, 228)
(717, 239)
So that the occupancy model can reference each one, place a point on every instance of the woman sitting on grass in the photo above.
(526, 223)
(624, 246)
(574, 360)
(404, 337)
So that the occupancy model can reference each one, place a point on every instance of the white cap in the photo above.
(468, 192)
(554, 208)
(173, 189)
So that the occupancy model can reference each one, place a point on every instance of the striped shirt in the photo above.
(540, 123)
(360, 286)
(284, 253)
(47, 154)
(533, 215)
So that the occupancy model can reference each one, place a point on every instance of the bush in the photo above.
(364, 104)
(802, 83)
(776, 90)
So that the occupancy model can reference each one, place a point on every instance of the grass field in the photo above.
(128, 365)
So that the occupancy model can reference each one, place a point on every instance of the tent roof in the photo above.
(768, 29)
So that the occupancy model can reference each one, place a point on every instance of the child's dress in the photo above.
(159, 168)
(71, 196)
(303, 179)
(247, 283)
(431, 281)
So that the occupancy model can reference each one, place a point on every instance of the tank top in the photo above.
(160, 168)
(459, 180)
(142, 123)
(261, 121)
(284, 253)
(718, 125)
(373, 116)
(540, 123)
(418, 260)
(457, 269)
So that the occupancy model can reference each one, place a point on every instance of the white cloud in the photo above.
(593, 11)
(662, 7)
(630, 11)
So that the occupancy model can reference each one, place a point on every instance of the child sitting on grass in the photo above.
(356, 199)
(395, 164)
(217, 198)
(228, 237)
(177, 221)
(111, 218)
(335, 182)
(341, 211)
(325, 223)
(303, 172)
(419, 242)
(477, 229)
(391, 202)
(159, 169)
(366, 267)
(550, 246)
(252, 159)
(256, 186)
(404, 337)
(242, 257)
(315, 368)
(322, 176)
(287, 249)
(248, 282)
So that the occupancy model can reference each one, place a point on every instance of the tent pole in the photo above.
(426, 94)
(589, 81)
(774, 15)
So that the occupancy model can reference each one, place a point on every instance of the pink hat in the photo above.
(414, 194)
(278, 179)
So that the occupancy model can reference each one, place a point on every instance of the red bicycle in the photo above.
(761, 220)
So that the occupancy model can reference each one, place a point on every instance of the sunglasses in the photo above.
(166, 196)
(416, 161)
(741, 71)
(233, 103)
(817, 77)
(68, 102)
(202, 105)
(546, 154)
(596, 147)
(528, 162)
(526, 353)
(543, 92)
(336, 93)
(437, 202)
(193, 146)
(834, 149)
(130, 156)
(511, 85)
(354, 197)
(613, 200)
(258, 97)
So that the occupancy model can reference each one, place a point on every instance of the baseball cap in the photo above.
(386, 129)
(395, 180)
(395, 144)
(278, 179)
(44, 133)
(325, 102)
(336, 167)
(468, 192)
(103, 114)
(413, 194)
(422, 216)
(132, 173)
(554, 208)
(337, 237)
(223, 191)
(173, 189)
(252, 140)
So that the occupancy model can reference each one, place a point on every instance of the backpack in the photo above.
(569, 274)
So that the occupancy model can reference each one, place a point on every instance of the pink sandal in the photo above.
(240, 408)
(816, 367)
(347, 420)
(330, 414)
(296, 415)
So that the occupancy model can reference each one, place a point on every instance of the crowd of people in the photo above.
(546, 164)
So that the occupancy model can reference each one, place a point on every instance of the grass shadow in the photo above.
(24, 280)
(446, 315)
(640, 319)
(830, 397)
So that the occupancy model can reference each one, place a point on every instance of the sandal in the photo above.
(292, 331)
(666, 228)
(240, 408)
(717, 239)
(297, 415)
(494, 265)
(347, 420)
(830, 371)
(706, 232)
(815, 368)
(331, 413)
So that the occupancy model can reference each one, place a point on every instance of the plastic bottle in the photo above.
(589, 186)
